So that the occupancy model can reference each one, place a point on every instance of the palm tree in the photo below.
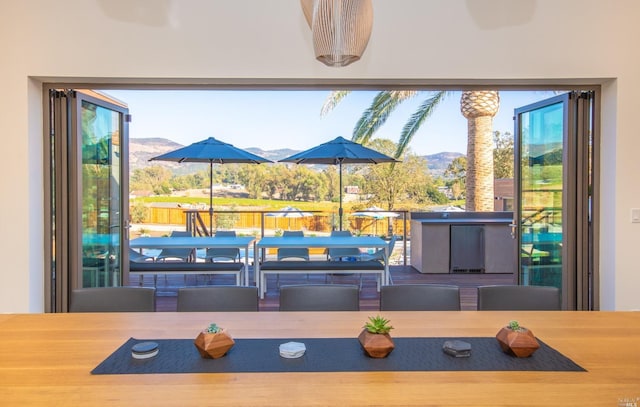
(478, 107)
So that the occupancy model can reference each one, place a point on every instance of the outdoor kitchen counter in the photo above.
(479, 242)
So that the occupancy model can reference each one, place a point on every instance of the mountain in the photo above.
(142, 149)
(438, 163)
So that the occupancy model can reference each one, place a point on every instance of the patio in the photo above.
(369, 297)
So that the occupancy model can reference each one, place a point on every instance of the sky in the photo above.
(291, 119)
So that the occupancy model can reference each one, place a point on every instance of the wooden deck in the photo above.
(167, 286)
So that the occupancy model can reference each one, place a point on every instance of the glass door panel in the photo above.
(542, 133)
(100, 195)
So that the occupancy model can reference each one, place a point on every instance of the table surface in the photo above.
(182, 242)
(321, 241)
(46, 359)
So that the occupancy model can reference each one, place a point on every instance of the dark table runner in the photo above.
(331, 355)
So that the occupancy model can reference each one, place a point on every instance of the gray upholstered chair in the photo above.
(518, 298)
(320, 297)
(217, 298)
(230, 253)
(180, 254)
(301, 253)
(113, 299)
(420, 297)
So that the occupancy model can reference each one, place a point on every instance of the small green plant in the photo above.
(515, 326)
(213, 329)
(378, 325)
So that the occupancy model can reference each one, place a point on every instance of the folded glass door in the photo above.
(88, 192)
(553, 186)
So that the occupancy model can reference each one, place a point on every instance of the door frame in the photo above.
(63, 138)
(313, 84)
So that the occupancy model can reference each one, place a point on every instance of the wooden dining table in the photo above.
(47, 359)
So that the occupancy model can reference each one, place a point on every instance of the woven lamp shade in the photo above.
(340, 28)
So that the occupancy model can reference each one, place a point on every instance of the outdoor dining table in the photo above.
(47, 359)
(327, 242)
(205, 242)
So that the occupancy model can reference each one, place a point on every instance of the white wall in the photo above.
(200, 41)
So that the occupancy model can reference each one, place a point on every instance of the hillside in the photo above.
(142, 149)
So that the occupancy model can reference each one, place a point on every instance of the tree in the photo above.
(457, 173)
(503, 155)
(478, 107)
(387, 183)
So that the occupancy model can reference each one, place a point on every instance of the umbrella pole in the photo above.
(211, 198)
(340, 208)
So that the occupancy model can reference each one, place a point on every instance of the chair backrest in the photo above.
(175, 253)
(223, 253)
(319, 297)
(518, 297)
(138, 257)
(339, 253)
(419, 297)
(113, 299)
(293, 253)
(217, 298)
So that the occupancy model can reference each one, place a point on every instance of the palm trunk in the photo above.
(479, 107)
(480, 164)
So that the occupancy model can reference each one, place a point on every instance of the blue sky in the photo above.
(291, 119)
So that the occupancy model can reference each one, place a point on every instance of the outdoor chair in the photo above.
(338, 254)
(301, 253)
(297, 253)
(518, 298)
(138, 257)
(174, 254)
(217, 299)
(419, 297)
(232, 254)
(320, 297)
(113, 299)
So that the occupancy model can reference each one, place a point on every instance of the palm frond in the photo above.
(332, 101)
(376, 115)
(422, 113)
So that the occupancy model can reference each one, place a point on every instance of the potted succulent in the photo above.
(517, 340)
(375, 338)
(214, 342)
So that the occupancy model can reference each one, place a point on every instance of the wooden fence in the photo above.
(321, 222)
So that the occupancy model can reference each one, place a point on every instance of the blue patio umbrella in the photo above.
(211, 151)
(337, 152)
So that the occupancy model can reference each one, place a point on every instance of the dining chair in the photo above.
(230, 253)
(113, 299)
(138, 257)
(294, 253)
(320, 297)
(518, 298)
(301, 253)
(342, 253)
(221, 298)
(180, 254)
(419, 297)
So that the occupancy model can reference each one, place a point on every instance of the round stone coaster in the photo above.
(144, 350)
